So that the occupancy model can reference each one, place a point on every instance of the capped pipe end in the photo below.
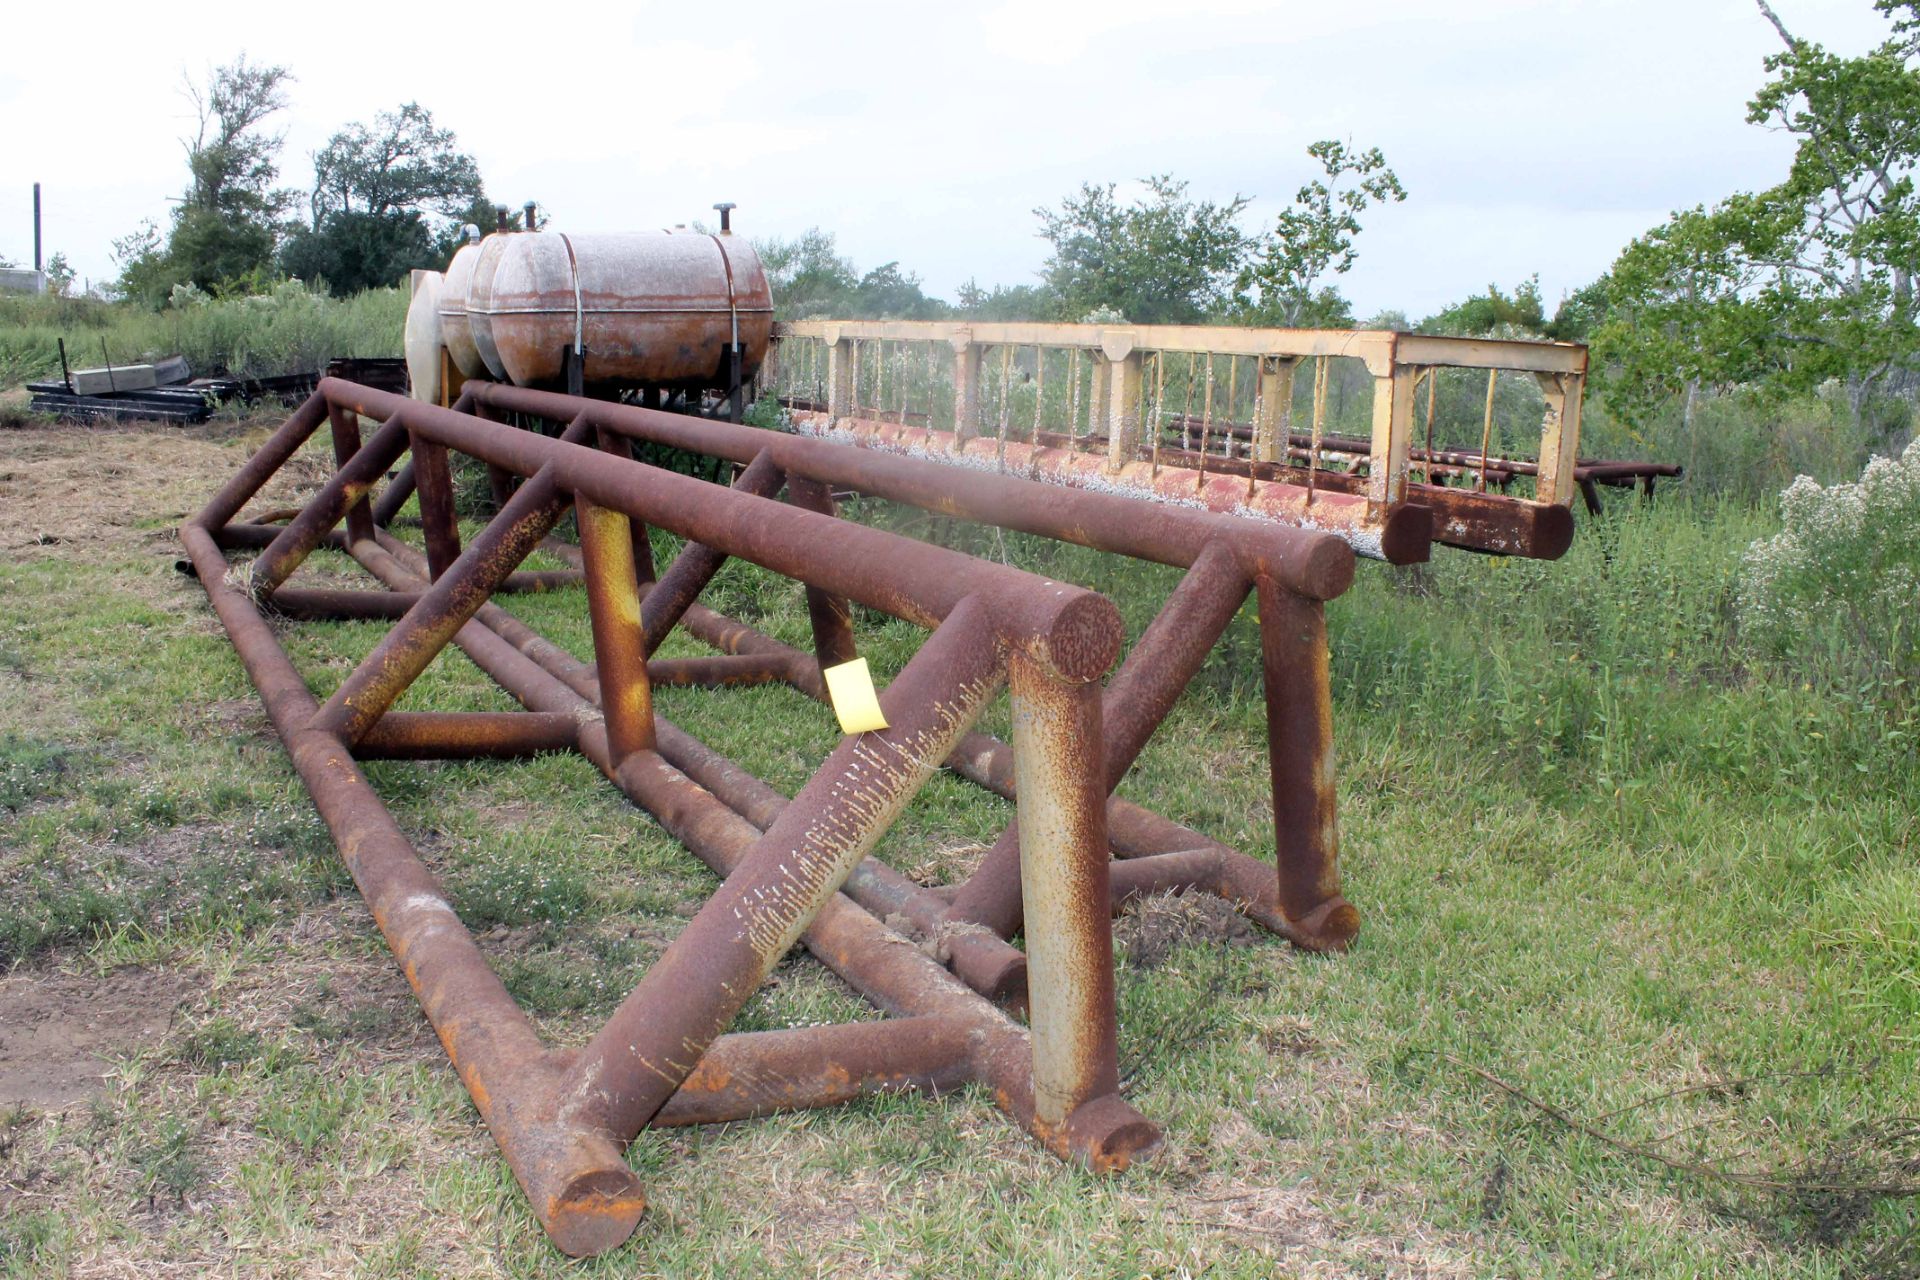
(1107, 1134)
(594, 1212)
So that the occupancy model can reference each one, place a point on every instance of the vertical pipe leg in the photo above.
(1293, 654)
(433, 478)
(621, 447)
(346, 443)
(1064, 883)
(832, 617)
(619, 648)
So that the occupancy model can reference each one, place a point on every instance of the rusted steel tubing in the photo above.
(260, 535)
(1072, 630)
(1311, 562)
(690, 994)
(737, 638)
(245, 534)
(1172, 649)
(873, 884)
(489, 1040)
(758, 1073)
(433, 481)
(296, 541)
(1062, 819)
(346, 443)
(1134, 832)
(330, 604)
(1293, 656)
(697, 563)
(394, 496)
(1164, 873)
(613, 606)
(463, 735)
(763, 655)
(403, 568)
(712, 673)
(269, 458)
(642, 540)
(1104, 1134)
(984, 960)
(404, 652)
(1401, 535)
(831, 618)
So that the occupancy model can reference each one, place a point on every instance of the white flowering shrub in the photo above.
(1842, 577)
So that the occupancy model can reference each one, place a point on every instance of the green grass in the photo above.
(290, 330)
(1602, 855)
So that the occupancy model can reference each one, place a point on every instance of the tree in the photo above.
(403, 164)
(146, 276)
(1688, 307)
(807, 275)
(1313, 238)
(375, 191)
(357, 251)
(1005, 302)
(227, 224)
(888, 293)
(1163, 259)
(59, 275)
(1810, 280)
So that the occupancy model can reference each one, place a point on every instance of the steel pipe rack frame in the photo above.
(1290, 572)
(1384, 514)
(562, 1118)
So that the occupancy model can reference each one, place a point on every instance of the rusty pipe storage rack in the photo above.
(562, 1117)
(794, 869)
(1378, 506)
(1289, 572)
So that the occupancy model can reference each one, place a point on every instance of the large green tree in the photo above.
(1313, 239)
(1809, 280)
(1167, 258)
(225, 227)
(383, 198)
(1164, 258)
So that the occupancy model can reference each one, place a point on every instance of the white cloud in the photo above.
(1531, 135)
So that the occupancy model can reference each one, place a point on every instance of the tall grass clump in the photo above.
(293, 328)
(1841, 579)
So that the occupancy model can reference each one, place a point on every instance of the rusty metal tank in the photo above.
(648, 308)
(479, 306)
(455, 332)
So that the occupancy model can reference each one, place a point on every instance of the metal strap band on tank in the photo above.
(733, 305)
(579, 311)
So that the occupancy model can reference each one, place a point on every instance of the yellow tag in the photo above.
(850, 689)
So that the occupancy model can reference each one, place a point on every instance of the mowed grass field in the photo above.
(1635, 992)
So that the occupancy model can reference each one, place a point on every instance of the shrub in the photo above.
(1841, 578)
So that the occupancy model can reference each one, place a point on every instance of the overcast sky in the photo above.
(1531, 135)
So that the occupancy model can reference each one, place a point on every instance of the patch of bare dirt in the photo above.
(73, 491)
(58, 1029)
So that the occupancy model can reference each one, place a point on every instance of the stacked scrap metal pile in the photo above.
(165, 391)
